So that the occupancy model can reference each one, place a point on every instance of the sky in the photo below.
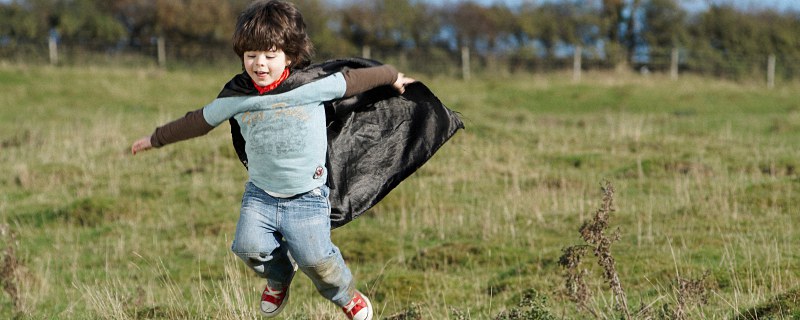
(691, 5)
(779, 5)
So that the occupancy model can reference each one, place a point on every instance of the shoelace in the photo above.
(277, 294)
(349, 307)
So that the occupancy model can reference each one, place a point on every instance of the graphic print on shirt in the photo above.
(282, 132)
(250, 117)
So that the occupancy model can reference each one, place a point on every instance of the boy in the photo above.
(284, 221)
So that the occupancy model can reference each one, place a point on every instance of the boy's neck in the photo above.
(274, 84)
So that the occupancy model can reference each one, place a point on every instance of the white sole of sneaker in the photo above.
(369, 307)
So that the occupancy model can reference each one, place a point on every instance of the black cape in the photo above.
(375, 139)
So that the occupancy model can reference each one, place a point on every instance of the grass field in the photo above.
(706, 173)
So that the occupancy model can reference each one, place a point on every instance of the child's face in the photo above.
(264, 67)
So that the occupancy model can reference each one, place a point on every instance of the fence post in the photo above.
(162, 51)
(673, 66)
(576, 63)
(52, 44)
(366, 52)
(771, 71)
(465, 62)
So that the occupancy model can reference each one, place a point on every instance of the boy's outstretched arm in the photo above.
(190, 126)
(362, 79)
(143, 144)
(402, 81)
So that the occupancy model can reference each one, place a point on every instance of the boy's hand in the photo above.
(402, 81)
(142, 144)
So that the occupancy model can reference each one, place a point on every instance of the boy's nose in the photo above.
(261, 60)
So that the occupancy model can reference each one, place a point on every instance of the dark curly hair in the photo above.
(273, 24)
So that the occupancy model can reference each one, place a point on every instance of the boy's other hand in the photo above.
(401, 82)
(140, 145)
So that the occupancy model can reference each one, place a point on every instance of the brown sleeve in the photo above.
(192, 125)
(363, 79)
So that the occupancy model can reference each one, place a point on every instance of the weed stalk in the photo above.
(690, 292)
(594, 233)
(577, 289)
(8, 269)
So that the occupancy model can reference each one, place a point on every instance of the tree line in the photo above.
(720, 40)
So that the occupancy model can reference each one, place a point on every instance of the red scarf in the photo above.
(274, 84)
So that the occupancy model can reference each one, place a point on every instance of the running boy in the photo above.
(284, 219)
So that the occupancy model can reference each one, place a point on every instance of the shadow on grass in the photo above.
(783, 306)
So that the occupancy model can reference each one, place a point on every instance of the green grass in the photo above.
(707, 175)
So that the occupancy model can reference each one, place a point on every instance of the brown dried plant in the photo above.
(594, 233)
(690, 292)
(9, 266)
(577, 289)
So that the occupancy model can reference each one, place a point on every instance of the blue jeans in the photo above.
(273, 231)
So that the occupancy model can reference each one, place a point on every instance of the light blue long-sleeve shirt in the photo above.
(285, 134)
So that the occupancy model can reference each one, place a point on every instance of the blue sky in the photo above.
(780, 5)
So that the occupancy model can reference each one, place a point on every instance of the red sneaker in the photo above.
(275, 297)
(273, 300)
(359, 308)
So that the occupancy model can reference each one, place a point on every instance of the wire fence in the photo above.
(767, 68)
